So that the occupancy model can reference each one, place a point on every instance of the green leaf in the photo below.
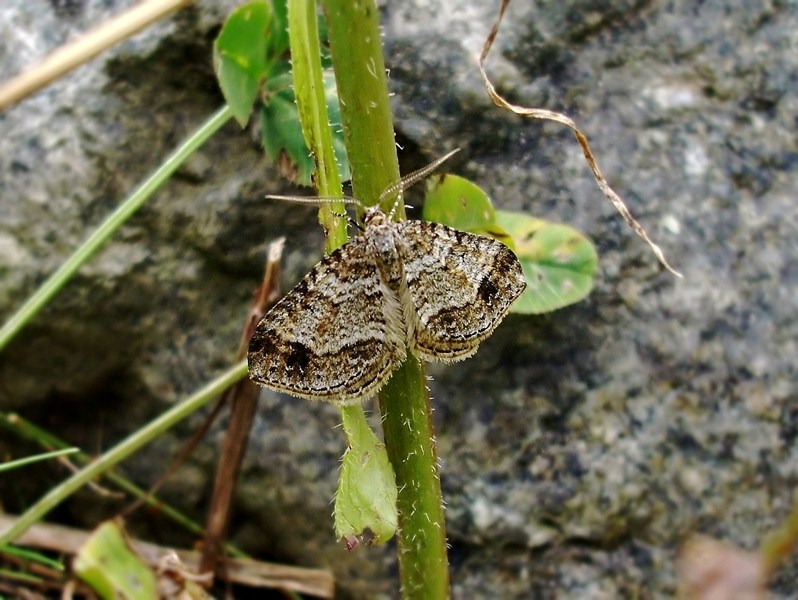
(239, 56)
(365, 503)
(559, 263)
(277, 43)
(250, 55)
(282, 138)
(459, 203)
(112, 569)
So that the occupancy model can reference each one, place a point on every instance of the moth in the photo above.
(397, 288)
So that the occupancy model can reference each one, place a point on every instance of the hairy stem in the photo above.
(368, 129)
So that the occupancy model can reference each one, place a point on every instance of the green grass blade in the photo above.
(104, 232)
(124, 449)
(15, 464)
(33, 433)
(20, 577)
(33, 556)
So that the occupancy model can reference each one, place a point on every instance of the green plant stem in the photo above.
(309, 92)
(118, 218)
(354, 35)
(312, 106)
(124, 449)
(410, 441)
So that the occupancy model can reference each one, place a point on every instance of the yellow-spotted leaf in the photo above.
(457, 202)
(559, 263)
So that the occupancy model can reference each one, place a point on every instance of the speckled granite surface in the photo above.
(579, 448)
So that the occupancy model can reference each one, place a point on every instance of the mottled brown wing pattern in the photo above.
(423, 287)
(460, 285)
(336, 336)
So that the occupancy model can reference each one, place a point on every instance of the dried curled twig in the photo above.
(540, 113)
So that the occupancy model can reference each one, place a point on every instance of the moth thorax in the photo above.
(386, 253)
(374, 216)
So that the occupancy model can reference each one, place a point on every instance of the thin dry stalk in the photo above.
(74, 54)
(243, 402)
(540, 113)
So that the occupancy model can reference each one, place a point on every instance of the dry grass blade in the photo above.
(314, 582)
(539, 113)
(85, 48)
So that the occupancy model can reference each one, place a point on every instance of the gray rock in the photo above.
(580, 448)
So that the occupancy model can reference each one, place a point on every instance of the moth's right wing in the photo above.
(334, 337)
(460, 284)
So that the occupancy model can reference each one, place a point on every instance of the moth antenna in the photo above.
(412, 178)
(324, 200)
(316, 199)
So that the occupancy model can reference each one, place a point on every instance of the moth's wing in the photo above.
(335, 336)
(460, 284)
